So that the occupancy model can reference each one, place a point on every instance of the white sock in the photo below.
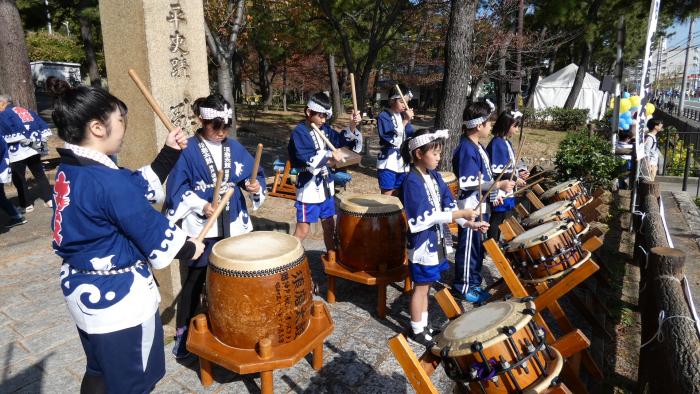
(416, 326)
(424, 319)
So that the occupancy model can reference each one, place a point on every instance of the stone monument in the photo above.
(164, 42)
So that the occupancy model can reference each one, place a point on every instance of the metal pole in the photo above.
(521, 10)
(618, 80)
(686, 170)
(48, 16)
(668, 145)
(685, 68)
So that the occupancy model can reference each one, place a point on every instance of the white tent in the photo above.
(553, 91)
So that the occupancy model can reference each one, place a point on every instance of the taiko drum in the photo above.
(571, 190)
(371, 232)
(258, 286)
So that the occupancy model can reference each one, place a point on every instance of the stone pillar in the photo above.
(164, 42)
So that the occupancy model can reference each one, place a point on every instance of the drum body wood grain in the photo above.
(497, 348)
(371, 232)
(258, 286)
(571, 190)
(451, 181)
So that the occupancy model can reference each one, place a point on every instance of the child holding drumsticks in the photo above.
(313, 159)
(428, 204)
(191, 188)
(109, 237)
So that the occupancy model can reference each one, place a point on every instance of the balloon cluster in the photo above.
(628, 106)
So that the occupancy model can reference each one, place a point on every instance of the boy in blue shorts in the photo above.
(313, 160)
(394, 127)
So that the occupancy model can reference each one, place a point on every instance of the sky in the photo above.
(681, 36)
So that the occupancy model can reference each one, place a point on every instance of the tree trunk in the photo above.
(456, 80)
(265, 92)
(335, 90)
(375, 84)
(284, 86)
(534, 79)
(501, 100)
(225, 82)
(86, 37)
(15, 74)
(580, 75)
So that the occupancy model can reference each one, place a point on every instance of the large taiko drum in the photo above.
(571, 190)
(258, 286)
(498, 348)
(371, 232)
(451, 180)
(558, 211)
(546, 252)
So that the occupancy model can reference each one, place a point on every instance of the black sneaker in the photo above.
(422, 338)
(16, 222)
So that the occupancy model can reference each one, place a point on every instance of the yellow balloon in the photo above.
(650, 108)
(612, 102)
(636, 101)
(625, 105)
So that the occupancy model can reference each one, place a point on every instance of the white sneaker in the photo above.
(29, 209)
(48, 204)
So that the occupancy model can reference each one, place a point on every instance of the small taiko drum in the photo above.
(498, 348)
(451, 180)
(571, 190)
(371, 232)
(546, 252)
(258, 286)
(558, 211)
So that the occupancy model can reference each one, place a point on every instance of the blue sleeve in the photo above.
(409, 130)
(498, 155)
(303, 153)
(240, 154)
(12, 127)
(468, 171)
(420, 213)
(448, 200)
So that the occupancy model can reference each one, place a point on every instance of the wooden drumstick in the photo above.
(256, 163)
(325, 139)
(217, 188)
(529, 185)
(215, 215)
(398, 89)
(498, 179)
(521, 144)
(152, 102)
(352, 89)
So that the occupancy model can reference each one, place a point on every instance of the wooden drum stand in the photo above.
(381, 278)
(265, 358)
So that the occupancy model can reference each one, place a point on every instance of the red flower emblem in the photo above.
(23, 114)
(61, 191)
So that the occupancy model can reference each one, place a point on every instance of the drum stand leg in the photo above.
(205, 372)
(266, 382)
(381, 300)
(407, 285)
(330, 293)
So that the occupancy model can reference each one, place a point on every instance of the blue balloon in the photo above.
(626, 95)
(634, 109)
(627, 116)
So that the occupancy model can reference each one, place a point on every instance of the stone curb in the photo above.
(690, 212)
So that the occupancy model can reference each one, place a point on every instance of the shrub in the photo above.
(54, 47)
(676, 156)
(588, 158)
(556, 118)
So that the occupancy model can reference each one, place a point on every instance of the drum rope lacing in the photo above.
(662, 319)
(254, 274)
(370, 214)
(490, 369)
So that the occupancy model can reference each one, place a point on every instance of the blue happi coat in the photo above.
(500, 151)
(5, 172)
(19, 127)
(468, 160)
(109, 237)
(426, 215)
(309, 154)
(392, 134)
(191, 186)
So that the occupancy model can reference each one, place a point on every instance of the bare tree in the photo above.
(223, 48)
(456, 81)
(88, 42)
(15, 75)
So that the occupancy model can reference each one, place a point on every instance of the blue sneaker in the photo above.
(476, 296)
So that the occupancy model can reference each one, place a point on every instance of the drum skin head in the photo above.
(556, 189)
(482, 324)
(256, 251)
(369, 203)
(547, 213)
(447, 176)
(534, 236)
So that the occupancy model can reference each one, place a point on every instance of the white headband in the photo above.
(211, 113)
(516, 114)
(472, 123)
(421, 140)
(398, 96)
(316, 107)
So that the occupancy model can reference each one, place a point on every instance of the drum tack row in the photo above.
(261, 315)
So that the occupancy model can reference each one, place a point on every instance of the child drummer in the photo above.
(502, 157)
(314, 159)
(471, 165)
(429, 205)
(109, 238)
(394, 127)
(190, 197)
